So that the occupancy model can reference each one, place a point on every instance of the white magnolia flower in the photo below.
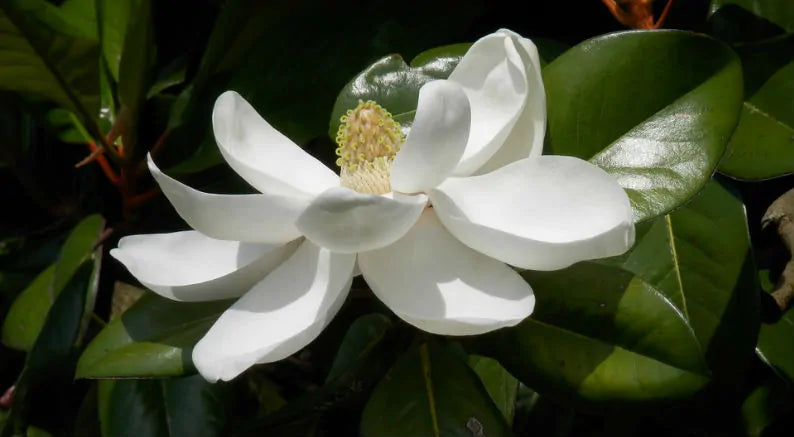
(432, 223)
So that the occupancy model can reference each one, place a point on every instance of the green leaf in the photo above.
(41, 53)
(27, 314)
(762, 145)
(135, 71)
(395, 85)
(430, 391)
(171, 75)
(363, 334)
(500, 384)
(114, 18)
(775, 346)
(766, 404)
(188, 406)
(51, 359)
(678, 310)
(154, 338)
(750, 20)
(654, 109)
(297, 96)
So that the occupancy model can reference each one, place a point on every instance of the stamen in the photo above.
(368, 140)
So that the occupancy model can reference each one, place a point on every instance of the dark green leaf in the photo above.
(765, 405)
(363, 335)
(430, 391)
(297, 96)
(114, 18)
(188, 406)
(776, 345)
(656, 324)
(52, 357)
(355, 374)
(28, 312)
(762, 145)
(155, 337)
(41, 53)
(135, 71)
(549, 49)
(654, 109)
(395, 85)
(171, 75)
(500, 384)
(751, 20)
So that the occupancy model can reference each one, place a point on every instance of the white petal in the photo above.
(494, 77)
(437, 138)
(279, 316)
(264, 218)
(264, 157)
(346, 221)
(526, 137)
(189, 266)
(437, 284)
(541, 213)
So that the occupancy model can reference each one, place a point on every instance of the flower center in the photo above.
(368, 139)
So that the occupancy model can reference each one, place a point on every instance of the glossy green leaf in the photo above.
(395, 85)
(776, 345)
(43, 54)
(27, 314)
(431, 391)
(654, 109)
(500, 384)
(762, 145)
(656, 324)
(750, 20)
(154, 338)
(188, 406)
(52, 357)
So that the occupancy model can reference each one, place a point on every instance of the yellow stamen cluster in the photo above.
(368, 140)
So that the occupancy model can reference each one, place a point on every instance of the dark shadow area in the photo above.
(732, 23)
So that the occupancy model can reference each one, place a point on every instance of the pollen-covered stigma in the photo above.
(368, 140)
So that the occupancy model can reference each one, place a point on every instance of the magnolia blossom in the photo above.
(432, 220)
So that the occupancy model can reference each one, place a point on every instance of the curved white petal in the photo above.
(494, 77)
(346, 221)
(264, 157)
(541, 213)
(279, 315)
(437, 138)
(264, 218)
(437, 284)
(189, 266)
(526, 137)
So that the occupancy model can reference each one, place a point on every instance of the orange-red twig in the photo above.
(96, 155)
(637, 14)
(138, 200)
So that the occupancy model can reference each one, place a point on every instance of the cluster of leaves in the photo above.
(670, 332)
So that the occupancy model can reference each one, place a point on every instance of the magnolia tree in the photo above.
(257, 218)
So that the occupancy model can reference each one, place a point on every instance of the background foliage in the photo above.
(678, 336)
